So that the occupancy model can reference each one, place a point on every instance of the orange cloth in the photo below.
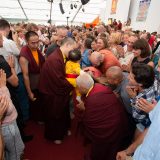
(95, 22)
(109, 60)
(35, 56)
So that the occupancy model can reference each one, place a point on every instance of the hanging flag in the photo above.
(114, 6)
(143, 10)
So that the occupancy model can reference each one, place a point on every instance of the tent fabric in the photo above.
(39, 10)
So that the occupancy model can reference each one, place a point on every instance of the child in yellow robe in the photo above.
(73, 67)
(72, 72)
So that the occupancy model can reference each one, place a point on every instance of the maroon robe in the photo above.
(33, 68)
(56, 92)
(34, 75)
(105, 123)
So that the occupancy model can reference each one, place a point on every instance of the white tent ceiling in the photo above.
(39, 10)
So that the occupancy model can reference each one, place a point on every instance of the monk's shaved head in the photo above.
(68, 44)
(84, 81)
(68, 40)
(114, 73)
(95, 54)
(96, 58)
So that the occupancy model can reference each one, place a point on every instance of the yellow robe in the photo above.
(73, 68)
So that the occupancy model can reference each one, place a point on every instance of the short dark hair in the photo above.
(143, 45)
(87, 43)
(74, 55)
(4, 24)
(144, 74)
(30, 34)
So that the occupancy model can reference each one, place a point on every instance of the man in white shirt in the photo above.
(128, 56)
(19, 94)
(9, 46)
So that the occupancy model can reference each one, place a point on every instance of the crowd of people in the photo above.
(106, 77)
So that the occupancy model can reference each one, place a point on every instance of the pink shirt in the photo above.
(11, 113)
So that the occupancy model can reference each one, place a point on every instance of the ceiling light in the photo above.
(71, 6)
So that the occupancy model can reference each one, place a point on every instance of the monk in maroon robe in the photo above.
(104, 120)
(56, 92)
(31, 61)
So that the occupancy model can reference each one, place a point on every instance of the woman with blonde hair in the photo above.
(115, 40)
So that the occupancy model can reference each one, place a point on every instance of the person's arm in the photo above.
(24, 66)
(3, 106)
(1, 147)
(151, 64)
(13, 79)
(1, 40)
(131, 149)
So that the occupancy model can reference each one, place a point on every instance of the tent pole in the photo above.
(51, 13)
(22, 9)
(76, 13)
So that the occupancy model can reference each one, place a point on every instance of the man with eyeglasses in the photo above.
(59, 36)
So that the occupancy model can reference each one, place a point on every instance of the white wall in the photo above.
(152, 22)
(122, 10)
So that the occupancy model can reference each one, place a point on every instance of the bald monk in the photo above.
(104, 119)
(118, 81)
(103, 60)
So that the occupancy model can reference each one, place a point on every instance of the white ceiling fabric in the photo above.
(39, 10)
